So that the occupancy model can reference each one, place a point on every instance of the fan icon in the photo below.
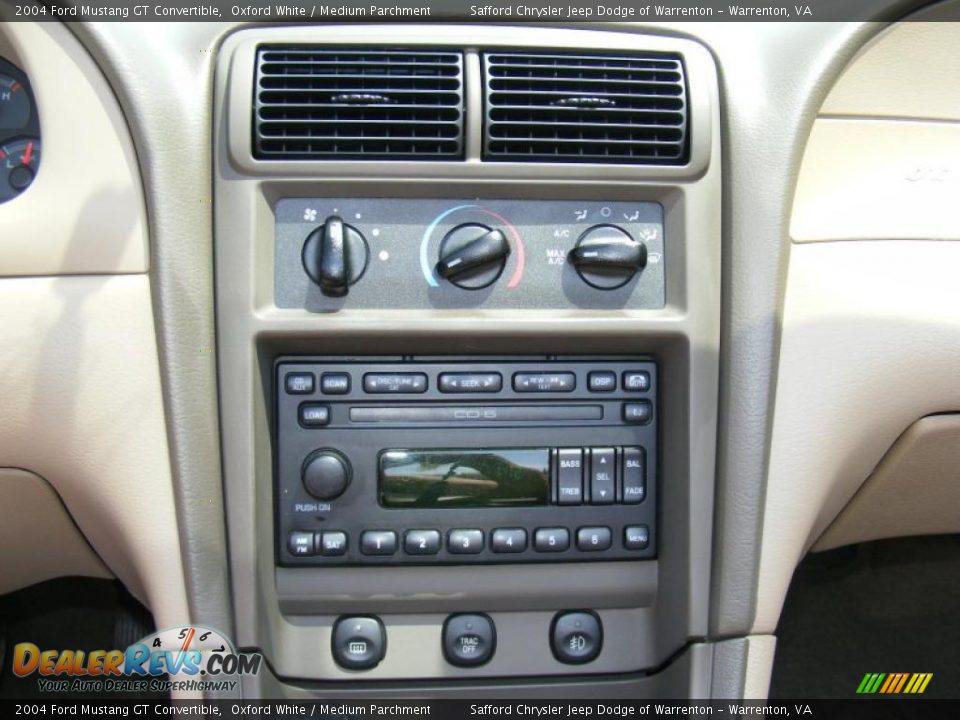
(310, 214)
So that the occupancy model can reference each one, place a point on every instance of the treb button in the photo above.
(569, 476)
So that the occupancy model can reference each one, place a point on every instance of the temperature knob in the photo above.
(472, 256)
(326, 474)
(335, 256)
(606, 257)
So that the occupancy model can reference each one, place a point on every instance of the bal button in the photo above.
(469, 640)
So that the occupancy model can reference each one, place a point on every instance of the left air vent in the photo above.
(358, 104)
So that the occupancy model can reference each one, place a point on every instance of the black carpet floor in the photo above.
(886, 606)
(68, 614)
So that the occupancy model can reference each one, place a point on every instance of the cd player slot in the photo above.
(475, 413)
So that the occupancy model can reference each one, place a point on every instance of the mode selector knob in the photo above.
(326, 474)
(606, 257)
(335, 256)
(472, 256)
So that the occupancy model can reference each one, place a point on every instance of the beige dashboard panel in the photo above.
(883, 179)
(84, 212)
(870, 343)
(38, 539)
(82, 408)
(883, 158)
(910, 70)
(914, 491)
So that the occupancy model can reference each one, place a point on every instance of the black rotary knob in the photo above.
(472, 256)
(326, 474)
(606, 257)
(335, 256)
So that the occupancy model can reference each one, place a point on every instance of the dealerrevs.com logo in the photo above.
(185, 658)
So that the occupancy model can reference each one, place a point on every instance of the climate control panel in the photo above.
(334, 253)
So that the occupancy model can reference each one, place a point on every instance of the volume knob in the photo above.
(326, 474)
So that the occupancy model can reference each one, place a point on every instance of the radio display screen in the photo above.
(453, 478)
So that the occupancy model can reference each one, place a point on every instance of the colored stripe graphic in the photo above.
(894, 683)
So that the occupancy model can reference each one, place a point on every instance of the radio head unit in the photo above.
(440, 462)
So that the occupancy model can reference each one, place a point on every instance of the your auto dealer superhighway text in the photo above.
(558, 11)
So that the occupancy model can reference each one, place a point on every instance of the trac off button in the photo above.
(469, 640)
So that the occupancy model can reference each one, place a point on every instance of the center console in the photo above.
(468, 339)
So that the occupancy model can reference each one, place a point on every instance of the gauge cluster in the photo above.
(19, 133)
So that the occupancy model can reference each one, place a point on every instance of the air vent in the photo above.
(341, 104)
(555, 107)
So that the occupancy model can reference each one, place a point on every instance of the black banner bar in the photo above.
(365, 11)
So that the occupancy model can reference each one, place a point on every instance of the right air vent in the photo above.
(596, 108)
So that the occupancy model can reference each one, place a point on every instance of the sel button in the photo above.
(468, 640)
(603, 479)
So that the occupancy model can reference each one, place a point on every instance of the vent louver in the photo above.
(317, 103)
(553, 107)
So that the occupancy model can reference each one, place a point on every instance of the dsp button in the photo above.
(576, 637)
(602, 381)
(358, 643)
(542, 382)
(394, 383)
(469, 640)
(470, 382)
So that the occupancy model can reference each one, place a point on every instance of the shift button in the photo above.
(569, 476)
